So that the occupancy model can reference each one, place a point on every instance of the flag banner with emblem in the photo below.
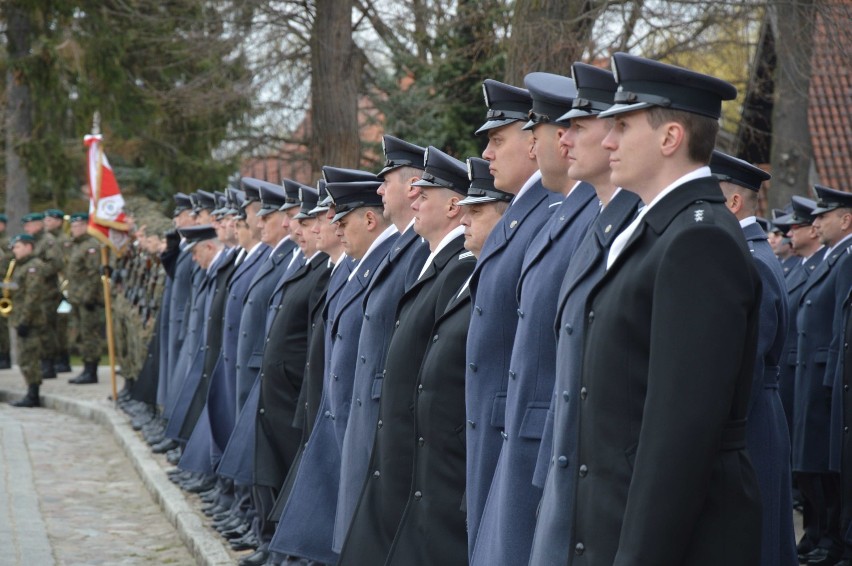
(107, 221)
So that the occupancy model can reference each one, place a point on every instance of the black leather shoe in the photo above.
(246, 542)
(229, 524)
(822, 557)
(256, 558)
(203, 484)
(844, 562)
(164, 446)
(173, 456)
(238, 532)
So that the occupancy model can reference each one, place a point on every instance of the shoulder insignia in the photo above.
(91, 250)
(554, 204)
(513, 223)
(608, 229)
(466, 255)
(367, 273)
(31, 270)
(699, 215)
(67, 244)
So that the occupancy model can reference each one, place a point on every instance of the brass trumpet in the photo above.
(6, 300)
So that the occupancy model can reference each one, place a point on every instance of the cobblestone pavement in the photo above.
(71, 497)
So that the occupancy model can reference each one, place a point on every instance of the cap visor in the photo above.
(622, 108)
(289, 205)
(265, 212)
(576, 113)
(491, 124)
(190, 245)
(305, 215)
(819, 210)
(424, 183)
(318, 210)
(529, 125)
(475, 200)
(340, 215)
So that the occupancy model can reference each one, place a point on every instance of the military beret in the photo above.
(506, 104)
(54, 213)
(830, 199)
(195, 234)
(643, 83)
(595, 91)
(443, 171)
(343, 175)
(400, 153)
(481, 188)
(32, 217)
(349, 196)
(552, 97)
(79, 217)
(732, 170)
(4, 219)
(25, 238)
(291, 194)
(308, 198)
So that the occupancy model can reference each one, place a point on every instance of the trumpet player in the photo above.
(28, 288)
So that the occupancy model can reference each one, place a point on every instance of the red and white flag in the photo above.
(107, 221)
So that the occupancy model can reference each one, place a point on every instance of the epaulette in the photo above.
(466, 255)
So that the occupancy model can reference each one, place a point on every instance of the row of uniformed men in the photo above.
(50, 265)
(347, 385)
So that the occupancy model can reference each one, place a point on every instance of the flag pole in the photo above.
(105, 272)
(105, 278)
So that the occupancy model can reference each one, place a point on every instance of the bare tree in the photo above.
(792, 152)
(18, 112)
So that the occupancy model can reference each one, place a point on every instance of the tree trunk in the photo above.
(548, 35)
(18, 114)
(335, 67)
(791, 155)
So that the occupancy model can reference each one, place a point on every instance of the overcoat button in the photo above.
(579, 548)
(583, 393)
(584, 470)
(562, 461)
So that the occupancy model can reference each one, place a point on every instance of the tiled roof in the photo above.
(830, 109)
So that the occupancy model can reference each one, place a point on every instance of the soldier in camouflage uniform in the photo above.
(5, 256)
(85, 293)
(54, 220)
(29, 286)
(49, 252)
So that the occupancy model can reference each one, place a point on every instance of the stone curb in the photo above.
(202, 544)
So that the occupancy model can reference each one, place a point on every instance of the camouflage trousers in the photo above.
(90, 331)
(5, 346)
(29, 356)
(55, 336)
(131, 337)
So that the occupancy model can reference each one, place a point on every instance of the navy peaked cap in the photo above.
(506, 104)
(552, 97)
(481, 188)
(643, 83)
(830, 199)
(443, 171)
(595, 91)
(400, 153)
(308, 197)
(343, 175)
(728, 168)
(349, 196)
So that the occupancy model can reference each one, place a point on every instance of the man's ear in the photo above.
(453, 208)
(673, 138)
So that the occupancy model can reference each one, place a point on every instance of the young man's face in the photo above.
(52, 223)
(633, 147)
(509, 153)
(394, 192)
(580, 143)
(33, 227)
(430, 211)
(78, 228)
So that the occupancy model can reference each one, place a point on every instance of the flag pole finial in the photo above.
(96, 123)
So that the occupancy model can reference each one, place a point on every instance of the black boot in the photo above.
(62, 364)
(5, 361)
(89, 375)
(31, 398)
(47, 371)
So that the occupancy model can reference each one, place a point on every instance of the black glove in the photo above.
(172, 240)
(90, 306)
(23, 330)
